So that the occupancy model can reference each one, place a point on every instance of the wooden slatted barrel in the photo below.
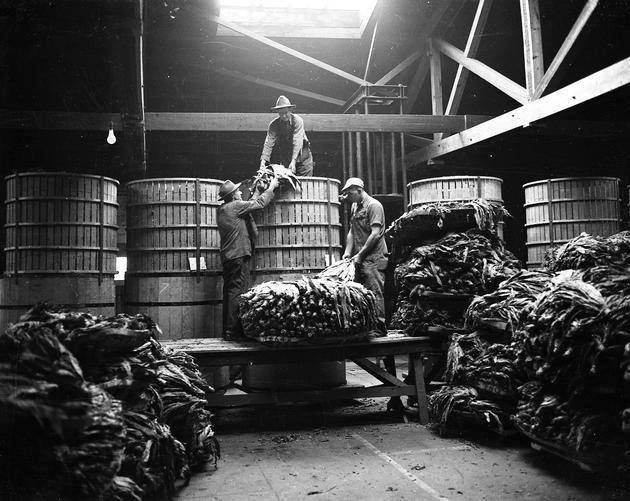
(458, 189)
(298, 234)
(174, 271)
(60, 243)
(557, 210)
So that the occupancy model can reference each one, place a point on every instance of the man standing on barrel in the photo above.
(237, 231)
(365, 243)
(286, 142)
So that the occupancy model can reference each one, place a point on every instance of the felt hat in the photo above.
(227, 188)
(282, 102)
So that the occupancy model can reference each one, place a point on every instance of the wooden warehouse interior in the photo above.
(188, 91)
(392, 91)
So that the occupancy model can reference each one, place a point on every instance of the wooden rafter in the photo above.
(493, 77)
(399, 68)
(474, 37)
(565, 47)
(435, 61)
(587, 88)
(287, 50)
(532, 45)
(417, 80)
(279, 86)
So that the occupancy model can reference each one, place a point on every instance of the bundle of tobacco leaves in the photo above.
(307, 310)
(264, 175)
(464, 348)
(163, 414)
(511, 302)
(460, 263)
(581, 426)
(586, 251)
(438, 218)
(344, 270)
(60, 436)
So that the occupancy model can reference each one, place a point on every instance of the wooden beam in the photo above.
(532, 45)
(418, 140)
(254, 122)
(287, 50)
(601, 82)
(480, 69)
(417, 81)
(565, 47)
(369, 59)
(279, 86)
(474, 37)
(399, 68)
(437, 104)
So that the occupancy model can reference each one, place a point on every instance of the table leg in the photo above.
(395, 403)
(421, 392)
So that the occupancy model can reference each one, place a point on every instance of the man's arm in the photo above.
(298, 141)
(270, 142)
(369, 243)
(347, 253)
(261, 201)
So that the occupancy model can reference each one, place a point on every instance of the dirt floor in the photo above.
(358, 450)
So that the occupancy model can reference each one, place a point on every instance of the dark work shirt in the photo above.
(364, 215)
(231, 219)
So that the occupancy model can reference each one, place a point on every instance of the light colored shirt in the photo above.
(289, 137)
(365, 214)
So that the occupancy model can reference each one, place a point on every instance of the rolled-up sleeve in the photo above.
(298, 136)
(270, 142)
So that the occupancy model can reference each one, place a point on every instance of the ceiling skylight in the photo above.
(298, 18)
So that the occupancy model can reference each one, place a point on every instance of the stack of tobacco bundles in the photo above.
(459, 264)
(309, 310)
(94, 408)
(438, 218)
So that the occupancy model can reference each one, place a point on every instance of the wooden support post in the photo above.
(368, 153)
(359, 152)
(392, 136)
(344, 160)
(532, 45)
(140, 87)
(403, 165)
(437, 103)
(351, 165)
(381, 136)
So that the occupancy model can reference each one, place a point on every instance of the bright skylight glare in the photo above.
(365, 7)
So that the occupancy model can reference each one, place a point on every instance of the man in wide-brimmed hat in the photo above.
(237, 230)
(286, 142)
(365, 243)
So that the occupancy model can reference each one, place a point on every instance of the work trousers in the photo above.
(372, 276)
(236, 280)
(304, 163)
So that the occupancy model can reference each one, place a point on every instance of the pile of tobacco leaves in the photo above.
(586, 251)
(96, 408)
(308, 310)
(482, 382)
(437, 218)
(511, 302)
(433, 275)
(575, 349)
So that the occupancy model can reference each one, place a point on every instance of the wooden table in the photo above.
(214, 352)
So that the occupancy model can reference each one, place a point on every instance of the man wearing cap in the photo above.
(237, 230)
(365, 243)
(286, 142)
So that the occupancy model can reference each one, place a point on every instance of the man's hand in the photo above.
(273, 184)
(346, 256)
(263, 164)
(291, 166)
(356, 259)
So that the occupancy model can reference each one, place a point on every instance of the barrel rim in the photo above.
(137, 181)
(61, 173)
(320, 178)
(541, 181)
(453, 177)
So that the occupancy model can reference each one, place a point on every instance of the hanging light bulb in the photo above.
(111, 139)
